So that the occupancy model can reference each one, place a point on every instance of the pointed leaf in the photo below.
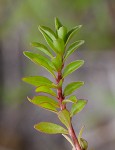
(71, 99)
(38, 81)
(62, 31)
(44, 99)
(42, 48)
(69, 140)
(64, 117)
(76, 108)
(71, 33)
(49, 32)
(45, 102)
(70, 88)
(72, 67)
(80, 133)
(50, 128)
(57, 24)
(41, 60)
(46, 89)
(48, 40)
(72, 48)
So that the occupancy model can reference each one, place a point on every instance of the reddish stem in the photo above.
(62, 107)
(74, 138)
(59, 92)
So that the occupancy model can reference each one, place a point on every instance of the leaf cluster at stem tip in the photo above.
(52, 58)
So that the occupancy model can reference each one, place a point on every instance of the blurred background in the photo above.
(19, 20)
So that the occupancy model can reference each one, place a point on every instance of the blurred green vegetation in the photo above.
(96, 16)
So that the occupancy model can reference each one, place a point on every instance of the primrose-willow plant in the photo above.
(54, 62)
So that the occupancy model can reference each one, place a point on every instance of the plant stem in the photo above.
(60, 98)
(74, 138)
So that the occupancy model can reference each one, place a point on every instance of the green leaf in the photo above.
(70, 88)
(49, 32)
(62, 31)
(69, 140)
(50, 128)
(59, 46)
(72, 48)
(57, 24)
(71, 99)
(71, 33)
(80, 133)
(46, 89)
(41, 60)
(48, 40)
(42, 48)
(84, 144)
(76, 108)
(57, 61)
(64, 117)
(45, 102)
(38, 81)
(72, 67)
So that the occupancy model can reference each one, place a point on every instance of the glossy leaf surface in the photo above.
(50, 128)
(72, 32)
(72, 48)
(57, 24)
(70, 88)
(38, 81)
(49, 32)
(48, 40)
(42, 48)
(72, 67)
(45, 102)
(62, 31)
(64, 117)
(41, 60)
(46, 89)
(76, 108)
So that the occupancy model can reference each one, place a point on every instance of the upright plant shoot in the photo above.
(53, 60)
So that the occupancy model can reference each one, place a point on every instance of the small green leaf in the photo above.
(80, 133)
(71, 33)
(76, 108)
(70, 100)
(73, 98)
(69, 140)
(44, 99)
(46, 89)
(38, 81)
(50, 128)
(45, 102)
(72, 67)
(59, 46)
(49, 32)
(57, 24)
(48, 40)
(41, 60)
(57, 61)
(72, 48)
(70, 88)
(64, 117)
(42, 48)
(62, 31)
(84, 144)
